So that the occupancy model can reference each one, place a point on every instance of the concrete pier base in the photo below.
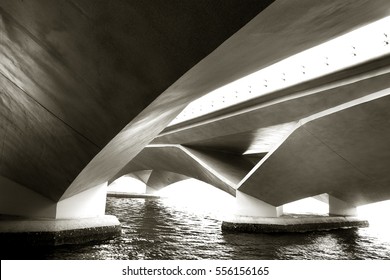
(53, 232)
(285, 224)
(132, 195)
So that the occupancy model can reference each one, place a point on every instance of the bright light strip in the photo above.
(368, 42)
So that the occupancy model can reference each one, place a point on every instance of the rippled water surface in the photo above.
(157, 229)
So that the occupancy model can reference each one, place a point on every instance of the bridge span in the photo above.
(87, 89)
(329, 136)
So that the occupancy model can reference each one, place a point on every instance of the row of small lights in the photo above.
(260, 83)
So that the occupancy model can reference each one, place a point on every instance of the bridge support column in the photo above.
(29, 219)
(249, 206)
(149, 190)
(339, 207)
(255, 216)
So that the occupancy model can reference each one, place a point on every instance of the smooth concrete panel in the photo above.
(16, 200)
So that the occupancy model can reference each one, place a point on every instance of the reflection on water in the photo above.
(158, 229)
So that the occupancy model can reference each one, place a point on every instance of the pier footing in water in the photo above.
(46, 232)
(290, 224)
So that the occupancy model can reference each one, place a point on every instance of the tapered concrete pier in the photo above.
(255, 216)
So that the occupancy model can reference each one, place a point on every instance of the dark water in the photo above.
(157, 229)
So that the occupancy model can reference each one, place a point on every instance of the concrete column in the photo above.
(254, 215)
(29, 218)
(341, 208)
(247, 205)
(150, 190)
(87, 204)
(17, 200)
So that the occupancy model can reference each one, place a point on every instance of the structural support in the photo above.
(90, 203)
(248, 206)
(338, 207)
(28, 218)
(150, 190)
(255, 216)
(17, 200)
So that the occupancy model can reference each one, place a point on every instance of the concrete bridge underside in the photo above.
(329, 136)
(85, 86)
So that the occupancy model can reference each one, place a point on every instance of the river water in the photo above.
(159, 229)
